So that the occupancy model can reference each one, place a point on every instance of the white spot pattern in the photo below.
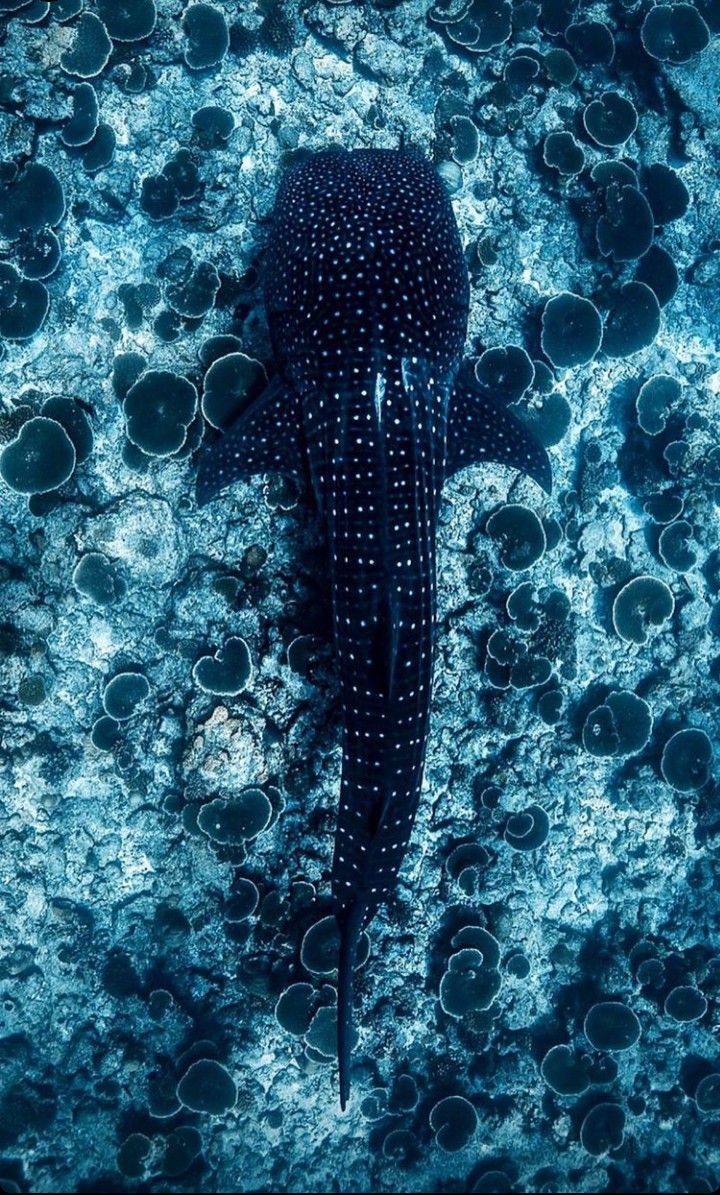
(367, 297)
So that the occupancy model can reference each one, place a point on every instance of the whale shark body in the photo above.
(367, 297)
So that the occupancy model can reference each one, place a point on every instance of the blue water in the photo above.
(539, 1007)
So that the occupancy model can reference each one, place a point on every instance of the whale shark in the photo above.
(372, 408)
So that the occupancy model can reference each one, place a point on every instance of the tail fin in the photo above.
(349, 936)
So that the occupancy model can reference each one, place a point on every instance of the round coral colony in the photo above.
(625, 229)
(25, 315)
(230, 385)
(571, 330)
(99, 153)
(657, 270)
(242, 901)
(642, 605)
(674, 33)
(80, 128)
(564, 1071)
(41, 457)
(686, 760)
(90, 51)
(320, 949)
(603, 1129)
(227, 672)
(611, 1026)
(159, 409)
(507, 372)
(657, 397)
(562, 152)
(207, 36)
(37, 253)
(235, 820)
(632, 322)
(213, 126)
(610, 120)
(207, 1086)
(127, 20)
(96, 577)
(454, 1122)
(124, 694)
(520, 536)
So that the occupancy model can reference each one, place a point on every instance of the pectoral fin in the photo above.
(266, 438)
(481, 429)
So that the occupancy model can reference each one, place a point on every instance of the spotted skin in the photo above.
(367, 300)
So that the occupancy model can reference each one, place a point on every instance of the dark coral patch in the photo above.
(38, 253)
(207, 1086)
(519, 534)
(90, 51)
(127, 368)
(33, 199)
(124, 694)
(611, 119)
(215, 347)
(658, 271)
(560, 66)
(528, 830)
(674, 32)
(70, 415)
(213, 126)
(234, 821)
(39, 459)
(611, 1025)
(207, 36)
(603, 1129)
(644, 603)
(159, 197)
(562, 152)
(182, 172)
(127, 20)
(195, 295)
(231, 383)
(99, 153)
(564, 1071)
(666, 192)
(97, 578)
(454, 1122)
(686, 759)
(507, 372)
(226, 673)
(657, 397)
(625, 229)
(613, 171)
(621, 726)
(633, 321)
(26, 315)
(159, 409)
(571, 330)
(81, 126)
(591, 42)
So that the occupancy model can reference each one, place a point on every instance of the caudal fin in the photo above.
(349, 937)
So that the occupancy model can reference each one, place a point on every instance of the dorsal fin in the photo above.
(266, 438)
(482, 429)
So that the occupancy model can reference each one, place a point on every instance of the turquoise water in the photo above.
(170, 751)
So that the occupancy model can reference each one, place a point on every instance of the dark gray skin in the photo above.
(367, 300)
